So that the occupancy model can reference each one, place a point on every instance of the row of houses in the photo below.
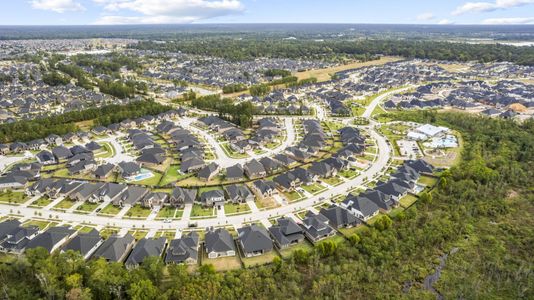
(386, 195)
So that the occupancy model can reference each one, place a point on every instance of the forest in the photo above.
(27, 130)
(483, 207)
(240, 114)
(363, 49)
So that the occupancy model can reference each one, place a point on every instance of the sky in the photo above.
(105, 12)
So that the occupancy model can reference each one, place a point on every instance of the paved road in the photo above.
(371, 107)
(379, 165)
(223, 160)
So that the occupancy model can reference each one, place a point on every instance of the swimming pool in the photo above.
(145, 174)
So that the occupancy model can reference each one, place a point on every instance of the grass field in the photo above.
(325, 74)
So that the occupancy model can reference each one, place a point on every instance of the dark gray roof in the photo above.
(50, 238)
(145, 248)
(254, 238)
(115, 247)
(219, 240)
(84, 242)
(339, 217)
(181, 249)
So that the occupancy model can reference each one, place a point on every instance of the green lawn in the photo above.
(348, 174)
(314, 188)
(152, 181)
(304, 245)
(172, 175)
(407, 200)
(138, 234)
(110, 210)
(13, 197)
(292, 196)
(347, 232)
(65, 204)
(169, 212)
(84, 229)
(41, 224)
(427, 180)
(137, 211)
(87, 207)
(333, 180)
(230, 208)
(107, 150)
(41, 202)
(108, 231)
(199, 211)
(259, 260)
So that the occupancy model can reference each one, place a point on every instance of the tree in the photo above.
(143, 290)
(383, 223)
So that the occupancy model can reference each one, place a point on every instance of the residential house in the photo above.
(219, 243)
(115, 248)
(183, 250)
(286, 233)
(254, 240)
(146, 247)
(85, 243)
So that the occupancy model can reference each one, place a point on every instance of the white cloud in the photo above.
(489, 6)
(445, 22)
(167, 11)
(59, 6)
(508, 21)
(425, 16)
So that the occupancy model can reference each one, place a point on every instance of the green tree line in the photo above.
(26, 130)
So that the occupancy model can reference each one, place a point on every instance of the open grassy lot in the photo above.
(65, 204)
(259, 260)
(268, 202)
(110, 209)
(13, 197)
(83, 229)
(166, 212)
(325, 74)
(137, 211)
(287, 252)
(313, 188)
(230, 208)
(199, 211)
(87, 207)
(223, 263)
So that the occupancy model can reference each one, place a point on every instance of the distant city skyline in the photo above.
(111, 12)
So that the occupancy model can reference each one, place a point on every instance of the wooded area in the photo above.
(483, 207)
(27, 130)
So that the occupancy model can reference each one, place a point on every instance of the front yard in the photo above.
(199, 211)
(137, 211)
(230, 208)
(13, 197)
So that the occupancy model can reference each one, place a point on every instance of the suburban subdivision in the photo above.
(138, 151)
